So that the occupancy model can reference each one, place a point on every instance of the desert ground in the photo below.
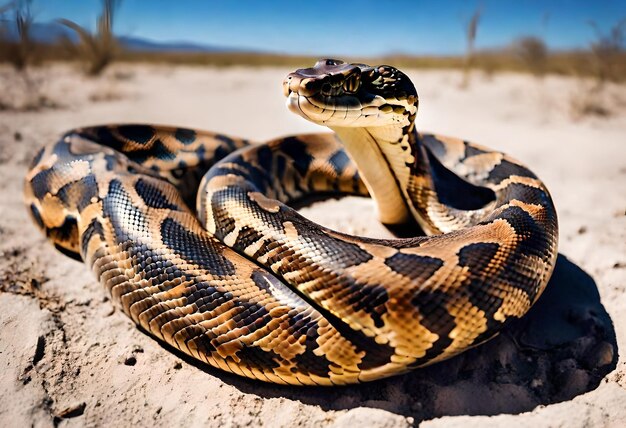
(68, 358)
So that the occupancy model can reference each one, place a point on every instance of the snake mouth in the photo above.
(343, 110)
(334, 93)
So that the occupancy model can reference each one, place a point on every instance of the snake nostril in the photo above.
(326, 88)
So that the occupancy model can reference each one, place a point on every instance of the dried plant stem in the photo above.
(99, 49)
(470, 33)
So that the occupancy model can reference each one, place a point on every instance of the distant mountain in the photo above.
(53, 32)
(144, 45)
(48, 33)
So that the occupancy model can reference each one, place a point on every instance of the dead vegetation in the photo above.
(607, 50)
(23, 84)
(593, 97)
(99, 49)
(20, 53)
(471, 30)
(21, 89)
(533, 53)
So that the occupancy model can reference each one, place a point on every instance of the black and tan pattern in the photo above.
(246, 284)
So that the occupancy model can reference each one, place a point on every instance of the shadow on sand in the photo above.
(562, 348)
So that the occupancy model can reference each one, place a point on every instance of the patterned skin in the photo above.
(246, 284)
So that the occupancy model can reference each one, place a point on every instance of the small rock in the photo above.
(178, 365)
(17, 136)
(130, 361)
(39, 350)
(72, 411)
(364, 416)
(582, 230)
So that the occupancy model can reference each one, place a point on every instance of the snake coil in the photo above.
(246, 284)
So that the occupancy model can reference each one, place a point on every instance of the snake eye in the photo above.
(352, 83)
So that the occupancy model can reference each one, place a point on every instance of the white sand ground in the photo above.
(67, 358)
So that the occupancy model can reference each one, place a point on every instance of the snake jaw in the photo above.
(336, 94)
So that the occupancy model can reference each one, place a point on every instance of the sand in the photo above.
(67, 358)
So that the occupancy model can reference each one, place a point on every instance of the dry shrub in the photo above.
(607, 51)
(533, 53)
(607, 57)
(99, 49)
(21, 88)
(19, 53)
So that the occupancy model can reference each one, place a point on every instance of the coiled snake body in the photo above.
(246, 284)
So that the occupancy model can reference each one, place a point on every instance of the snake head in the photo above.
(337, 94)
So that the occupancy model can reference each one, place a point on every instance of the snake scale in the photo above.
(246, 284)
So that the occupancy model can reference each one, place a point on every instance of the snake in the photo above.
(196, 236)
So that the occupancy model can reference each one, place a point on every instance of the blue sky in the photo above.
(359, 28)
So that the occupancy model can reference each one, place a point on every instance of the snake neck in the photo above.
(389, 160)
